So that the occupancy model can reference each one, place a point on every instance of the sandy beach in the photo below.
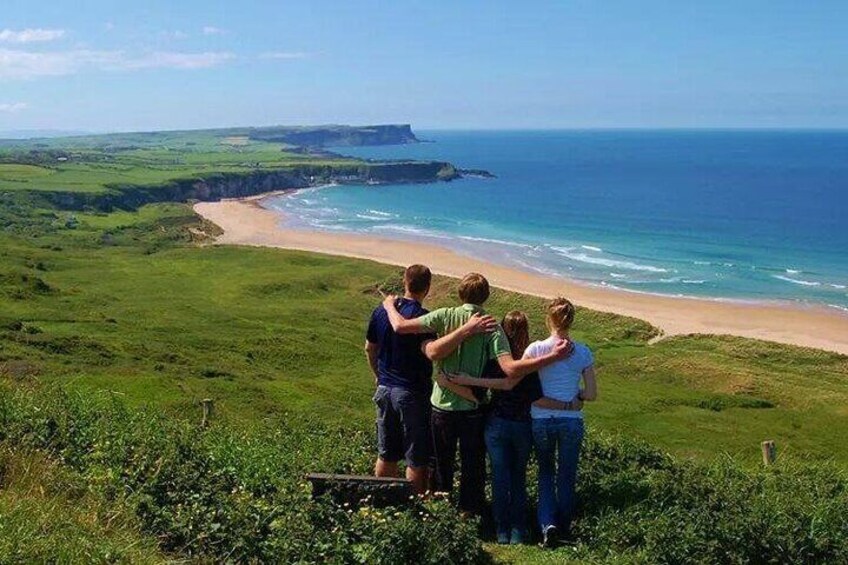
(245, 222)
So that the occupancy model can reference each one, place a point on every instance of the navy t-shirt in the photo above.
(400, 361)
(513, 404)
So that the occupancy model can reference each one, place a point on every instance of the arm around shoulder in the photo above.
(400, 324)
(438, 349)
(531, 363)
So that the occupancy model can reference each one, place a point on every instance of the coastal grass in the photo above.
(96, 164)
(48, 514)
(137, 303)
(227, 494)
(114, 326)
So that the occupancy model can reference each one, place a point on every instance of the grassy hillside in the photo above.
(113, 327)
(126, 302)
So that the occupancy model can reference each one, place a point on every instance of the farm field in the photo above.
(96, 164)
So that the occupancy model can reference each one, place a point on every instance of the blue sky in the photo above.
(97, 65)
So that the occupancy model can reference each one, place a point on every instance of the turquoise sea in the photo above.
(744, 215)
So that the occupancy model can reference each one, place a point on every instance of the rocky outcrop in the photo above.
(476, 173)
(238, 185)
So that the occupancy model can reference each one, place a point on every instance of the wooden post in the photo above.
(207, 405)
(769, 452)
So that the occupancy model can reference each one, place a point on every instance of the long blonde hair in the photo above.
(517, 330)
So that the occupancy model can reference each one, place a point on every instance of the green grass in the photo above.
(223, 493)
(125, 302)
(206, 495)
(138, 308)
(48, 514)
(94, 164)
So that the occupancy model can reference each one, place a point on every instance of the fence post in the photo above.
(207, 405)
(769, 452)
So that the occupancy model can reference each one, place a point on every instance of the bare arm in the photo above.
(590, 384)
(516, 369)
(400, 324)
(551, 404)
(438, 349)
(494, 384)
(372, 350)
(458, 390)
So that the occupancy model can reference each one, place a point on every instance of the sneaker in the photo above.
(503, 538)
(518, 537)
(550, 536)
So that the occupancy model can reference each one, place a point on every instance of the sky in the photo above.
(96, 65)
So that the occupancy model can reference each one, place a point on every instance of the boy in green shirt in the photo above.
(456, 416)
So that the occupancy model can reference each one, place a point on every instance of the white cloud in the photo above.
(30, 35)
(284, 55)
(27, 64)
(212, 30)
(169, 60)
(12, 107)
(16, 64)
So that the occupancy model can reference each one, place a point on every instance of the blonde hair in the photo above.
(560, 315)
(517, 330)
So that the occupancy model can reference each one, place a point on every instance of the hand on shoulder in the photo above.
(563, 348)
(478, 324)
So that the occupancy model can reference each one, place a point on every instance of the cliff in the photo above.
(238, 185)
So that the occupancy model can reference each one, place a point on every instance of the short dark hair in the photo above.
(474, 289)
(417, 278)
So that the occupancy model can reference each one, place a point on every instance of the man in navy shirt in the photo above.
(403, 371)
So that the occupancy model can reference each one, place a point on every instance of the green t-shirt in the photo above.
(471, 356)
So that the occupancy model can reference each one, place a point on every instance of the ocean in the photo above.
(739, 215)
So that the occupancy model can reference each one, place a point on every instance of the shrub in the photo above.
(637, 499)
(230, 494)
(238, 494)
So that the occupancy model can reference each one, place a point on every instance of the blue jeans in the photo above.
(509, 443)
(557, 442)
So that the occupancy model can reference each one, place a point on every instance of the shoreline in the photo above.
(246, 222)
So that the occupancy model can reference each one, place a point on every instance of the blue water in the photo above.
(738, 215)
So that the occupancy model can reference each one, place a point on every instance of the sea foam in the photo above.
(495, 241)
(573, 254)
(797, 281)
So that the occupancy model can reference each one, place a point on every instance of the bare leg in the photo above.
(418, 477)
(386, 468)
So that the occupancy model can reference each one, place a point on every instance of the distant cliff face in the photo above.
(337, 136)
(239, 185)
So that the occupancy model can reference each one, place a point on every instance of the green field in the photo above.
(129, 304)
(138, 308)
(97, 163)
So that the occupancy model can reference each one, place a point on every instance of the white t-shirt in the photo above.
(560, 380)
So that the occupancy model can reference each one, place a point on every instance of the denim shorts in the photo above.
(403, 425)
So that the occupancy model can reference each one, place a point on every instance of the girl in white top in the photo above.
(557, 434)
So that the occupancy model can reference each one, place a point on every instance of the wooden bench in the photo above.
(359, 490)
